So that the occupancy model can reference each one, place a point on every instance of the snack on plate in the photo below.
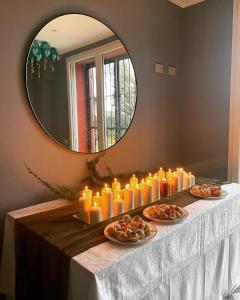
(129, 229)
(166, 212)
(206, 190)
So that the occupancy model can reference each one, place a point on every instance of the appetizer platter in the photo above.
(130, 231)
(208, 191)
(165, 213)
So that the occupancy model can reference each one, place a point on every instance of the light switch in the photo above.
(159, 68)
(172, 71)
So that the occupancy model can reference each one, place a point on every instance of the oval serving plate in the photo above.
(223, 194)
(145, 213)
(130, 243)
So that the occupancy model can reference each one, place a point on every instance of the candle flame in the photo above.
(98, 194)
(169, 170)
(95, 204)
(86, 187)
(161, 169)
(105, 185)
(150, 174)
(115, 179)
(181, 169)
(127, 186)
(164, 179)
(190, 173)
(133, 176)
(137, 185)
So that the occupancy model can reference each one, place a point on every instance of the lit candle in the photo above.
(107, 202)
(118, 206)
(174, 184)
(133, 181)
(180, 172)
(95, 214)
(147, 191)
(192, 179)
(164, 188)
(138, 196)
(169, 175)
(87, 192)
(84, 208)
(186, 181)
(117, 192)
(97, 199)
(116, 184)
(128, 198)
(156, 187)
(161, 174)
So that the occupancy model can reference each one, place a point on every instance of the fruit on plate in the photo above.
(129, 229)
(165, 212)
(207, 190)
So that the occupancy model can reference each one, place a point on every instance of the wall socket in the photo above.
(172, 71)
(159, 68)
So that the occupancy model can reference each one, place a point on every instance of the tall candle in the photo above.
(192, 179)
(133, 181)
(118, 206)
(156, 187)
(147, 192)
(87, 192)
(174, 184)
(128, 198)
(95, 214)
(164, 188)
(84, 208)
(180, 172)
(117, 192)
(169, 175)
(107, 203)
(116, 184)
(161, 174)
(138, 196)
(186, 181)
(97, 199)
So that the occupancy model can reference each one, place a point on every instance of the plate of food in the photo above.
(130, 231)
(165, 213)
(208, 191)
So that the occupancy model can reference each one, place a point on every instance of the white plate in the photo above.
(146, 214)
(140, 242)
(223, 194)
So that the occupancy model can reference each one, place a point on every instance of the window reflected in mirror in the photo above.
(81, 83)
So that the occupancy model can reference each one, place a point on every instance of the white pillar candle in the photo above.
(128, 198)
(118, 206)
(192, 179)
(97, 199)
(117, 192)
(95, 214)
(180, 172)
(161, 174)
(107, 203)
(116, 184)
(147, 192)
(169, 175)
(87, 192)
(84, 208)
(186, 181)
(174, 184)
(133, 181)
(138, 196)
(156, 187)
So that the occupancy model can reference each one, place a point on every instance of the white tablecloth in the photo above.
(196, 259)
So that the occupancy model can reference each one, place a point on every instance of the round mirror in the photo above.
(81, 83)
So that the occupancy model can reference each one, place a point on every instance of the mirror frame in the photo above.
(27, 52)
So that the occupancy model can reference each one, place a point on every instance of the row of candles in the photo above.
(114, 200)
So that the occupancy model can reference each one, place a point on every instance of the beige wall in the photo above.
(152, 32)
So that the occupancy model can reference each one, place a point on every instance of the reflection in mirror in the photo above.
(81, 83)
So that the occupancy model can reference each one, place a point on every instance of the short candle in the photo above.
(95, 214)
